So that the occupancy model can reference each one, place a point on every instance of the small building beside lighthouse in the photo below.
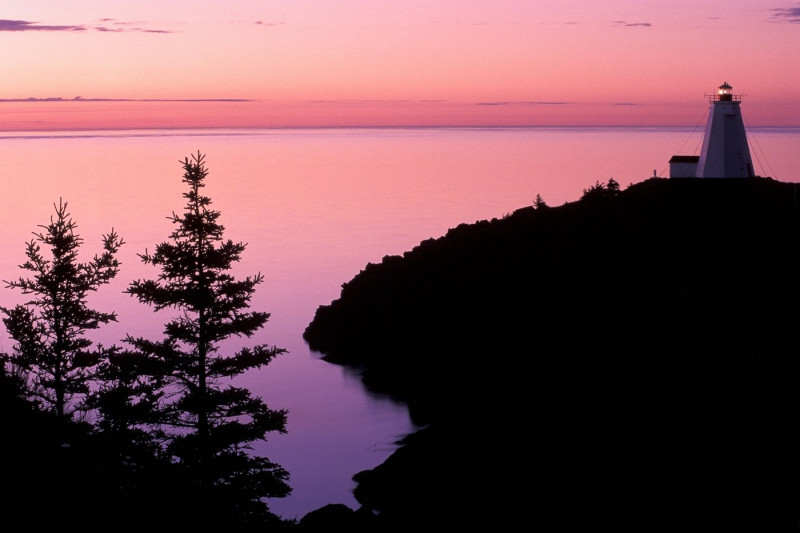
(725, 152)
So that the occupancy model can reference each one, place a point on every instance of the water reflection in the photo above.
(315, 207)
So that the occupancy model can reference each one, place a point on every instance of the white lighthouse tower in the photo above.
(725, 152)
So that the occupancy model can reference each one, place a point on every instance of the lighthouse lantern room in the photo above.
(725, 152)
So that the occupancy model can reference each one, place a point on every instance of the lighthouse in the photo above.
(725, 152)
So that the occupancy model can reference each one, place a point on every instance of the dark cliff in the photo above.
(628, 360)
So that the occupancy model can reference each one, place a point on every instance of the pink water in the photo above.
(315, 206)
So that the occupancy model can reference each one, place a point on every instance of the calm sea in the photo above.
(314, 207)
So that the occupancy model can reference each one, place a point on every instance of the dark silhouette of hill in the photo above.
(624, 362)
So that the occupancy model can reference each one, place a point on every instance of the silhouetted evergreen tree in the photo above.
(209, 424)
(600, 190)
(126, 402)
(51, 350)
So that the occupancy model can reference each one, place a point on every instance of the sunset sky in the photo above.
(90, 63)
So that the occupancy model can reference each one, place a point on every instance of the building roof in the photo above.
(684, 159)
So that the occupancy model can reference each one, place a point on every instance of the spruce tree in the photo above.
(51, 349)
(209, 423)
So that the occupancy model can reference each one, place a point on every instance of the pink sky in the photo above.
(416, 62)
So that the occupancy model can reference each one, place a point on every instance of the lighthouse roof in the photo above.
(684, 159)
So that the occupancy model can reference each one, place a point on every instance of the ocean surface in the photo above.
(314, 207)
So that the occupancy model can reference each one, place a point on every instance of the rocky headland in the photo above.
(625, 362)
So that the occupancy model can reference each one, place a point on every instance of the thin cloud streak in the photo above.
(632, 24)
(375, 101)
(24, 25)
(523, 103)
(82, 99)
(121, 30)
(786, 14)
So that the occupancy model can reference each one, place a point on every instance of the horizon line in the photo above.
(248, 130)
(58, 114)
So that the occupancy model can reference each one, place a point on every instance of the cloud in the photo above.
(118, 26)
(786, 14)
(524, 103)
(632, 24)
(24, 25)
(108, 25)
(120, 30)
(372, 101)
(82, 99)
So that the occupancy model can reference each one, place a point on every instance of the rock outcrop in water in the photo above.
(628, 361)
